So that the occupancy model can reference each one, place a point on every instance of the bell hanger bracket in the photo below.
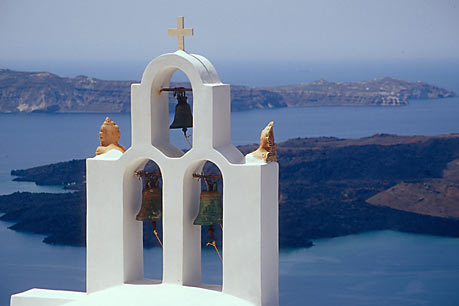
(146, 174)
(208, 176)
(176, 90)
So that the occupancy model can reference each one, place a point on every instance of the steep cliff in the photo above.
(385, 91)
(47, 92)
(44, 91)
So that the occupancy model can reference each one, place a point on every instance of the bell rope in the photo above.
(211, 232)
(153, 223)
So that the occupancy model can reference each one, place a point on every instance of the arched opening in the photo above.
(210, 218)
(180, 98)
(152, 124)
(150, 214)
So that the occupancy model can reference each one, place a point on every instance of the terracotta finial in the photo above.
(267, 149)
(109, 135)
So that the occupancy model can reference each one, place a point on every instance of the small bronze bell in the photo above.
(151, 209)
(210, 209)
(183, 118)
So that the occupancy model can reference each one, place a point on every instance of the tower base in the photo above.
(142, 293)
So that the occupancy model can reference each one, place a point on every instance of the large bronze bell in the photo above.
(152, 199)
(183, 118)
(210, 209)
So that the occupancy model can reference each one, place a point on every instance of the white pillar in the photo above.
(250, 234)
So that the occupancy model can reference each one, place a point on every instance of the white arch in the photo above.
(150, 109)
(197, 68)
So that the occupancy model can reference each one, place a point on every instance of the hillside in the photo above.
(328, 187)
(47, 92)
(383, 92)
(44, 91)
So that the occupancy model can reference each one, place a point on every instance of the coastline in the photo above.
(49, 93)
(325, 185)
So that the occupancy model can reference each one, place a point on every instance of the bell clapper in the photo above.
(211, 232)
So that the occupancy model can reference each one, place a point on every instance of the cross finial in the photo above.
(180, 32)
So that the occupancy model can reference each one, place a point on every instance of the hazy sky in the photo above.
(230, 30)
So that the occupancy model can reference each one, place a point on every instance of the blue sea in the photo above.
(374, 268)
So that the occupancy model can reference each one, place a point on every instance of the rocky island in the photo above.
(328, 187)
(47, 92)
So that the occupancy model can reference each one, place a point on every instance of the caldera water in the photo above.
(376, 268)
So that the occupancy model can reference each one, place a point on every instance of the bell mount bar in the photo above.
(218, 177)
(176, 89)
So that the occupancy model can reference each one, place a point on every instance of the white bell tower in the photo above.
(114, 237)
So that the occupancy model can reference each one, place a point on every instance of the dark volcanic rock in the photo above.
(61, 217)
(324, 186)
(71, 173)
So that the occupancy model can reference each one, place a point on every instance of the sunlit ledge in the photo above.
(140, 293)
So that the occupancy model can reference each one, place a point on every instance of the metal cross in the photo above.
(180, 32)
